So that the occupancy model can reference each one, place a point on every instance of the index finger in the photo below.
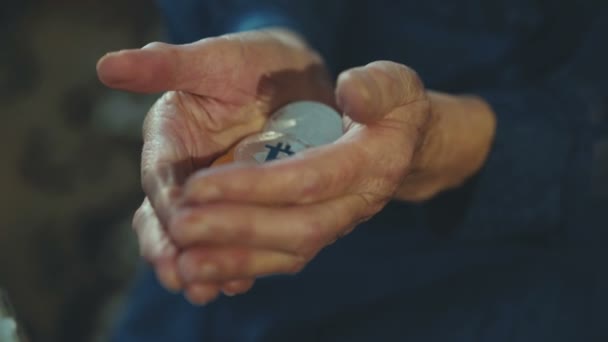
(310, 176)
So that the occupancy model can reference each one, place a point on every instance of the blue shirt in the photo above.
(516, 254)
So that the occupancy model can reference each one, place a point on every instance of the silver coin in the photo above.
(314, 123)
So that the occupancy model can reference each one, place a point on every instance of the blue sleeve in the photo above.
(319, 21)
(540, 165)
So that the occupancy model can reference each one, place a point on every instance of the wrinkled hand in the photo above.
(274, 218)
(218, 91)
(207, 230)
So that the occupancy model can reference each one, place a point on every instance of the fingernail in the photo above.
(229, 294)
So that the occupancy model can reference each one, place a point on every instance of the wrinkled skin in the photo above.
(207, 230)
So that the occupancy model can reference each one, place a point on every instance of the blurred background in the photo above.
(70, 163)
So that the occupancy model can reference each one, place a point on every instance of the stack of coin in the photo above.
(291, 129)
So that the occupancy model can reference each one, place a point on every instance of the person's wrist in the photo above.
(453, 146)
(420, 182)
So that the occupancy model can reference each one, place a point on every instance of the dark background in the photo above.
(69, 173)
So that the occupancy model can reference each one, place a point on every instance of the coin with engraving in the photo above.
(312, 122)
(268, 146)
(291, 129)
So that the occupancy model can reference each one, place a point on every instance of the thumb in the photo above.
(366, 94)
(156, 67)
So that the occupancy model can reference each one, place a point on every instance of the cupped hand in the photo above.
(273, 218)
(217, 91)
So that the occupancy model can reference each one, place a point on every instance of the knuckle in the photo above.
(240, 262)
(313, 239)
(178, 229)
(312, 182)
